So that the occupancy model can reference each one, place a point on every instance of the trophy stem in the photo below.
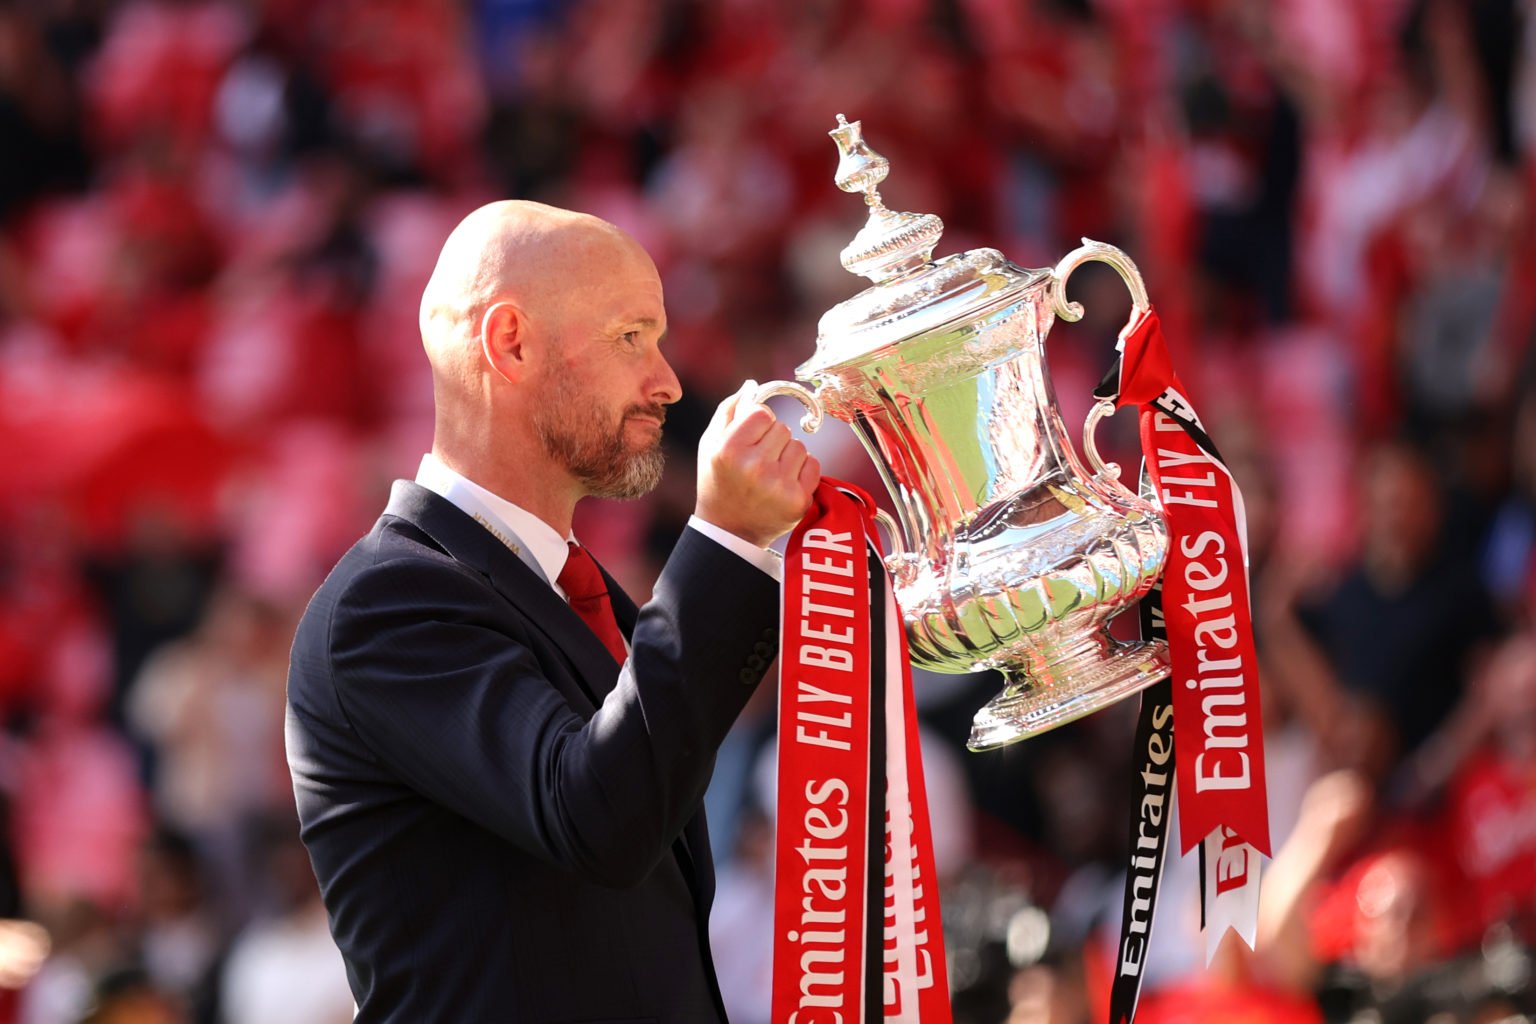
(1086, 676)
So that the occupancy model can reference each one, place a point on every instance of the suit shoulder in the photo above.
(401, 569)
(393, 547)
(392, 559)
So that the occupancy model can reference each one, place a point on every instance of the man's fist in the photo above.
(755, 479)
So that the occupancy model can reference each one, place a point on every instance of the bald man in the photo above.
(500, 787)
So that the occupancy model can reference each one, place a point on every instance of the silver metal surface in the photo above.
(1096, 462)
(890, 243)
(1015, 555)
(811, 421)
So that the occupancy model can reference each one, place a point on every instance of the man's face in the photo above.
(603, 397)
(582, 431)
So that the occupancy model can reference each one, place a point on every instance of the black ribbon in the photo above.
(1152, 782)
(874, 945)
(1151, 812)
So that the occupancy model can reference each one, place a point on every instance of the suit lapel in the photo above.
(469, 542)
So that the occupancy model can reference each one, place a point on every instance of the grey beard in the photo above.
(601, 463)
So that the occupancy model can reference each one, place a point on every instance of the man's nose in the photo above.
(665, 388)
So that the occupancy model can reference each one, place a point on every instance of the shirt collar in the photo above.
(525, 534)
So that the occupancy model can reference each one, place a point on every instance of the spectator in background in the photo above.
(154, 590)
(39, 116)
(1479, 766)
(283, 967)
(78, 814)
(85, 947)
(129, 996)
(1390, 965)
(1365, 924)
(1377, 659)
(1492, 796)
(180, 937)
(1509, 553)
(210, 707)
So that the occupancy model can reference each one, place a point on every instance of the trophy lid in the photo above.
(912, 293)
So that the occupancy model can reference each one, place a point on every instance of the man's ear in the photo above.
(503, 340)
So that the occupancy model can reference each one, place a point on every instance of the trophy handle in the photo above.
(1072, 311)
(1102, 408)
(885, 519)
(811, 421)
(1102, 253)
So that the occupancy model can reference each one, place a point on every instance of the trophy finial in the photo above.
(860, 168)
(890, 243)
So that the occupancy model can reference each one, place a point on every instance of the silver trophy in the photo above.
(1009, 555)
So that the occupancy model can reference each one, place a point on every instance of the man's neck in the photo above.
(533, 484)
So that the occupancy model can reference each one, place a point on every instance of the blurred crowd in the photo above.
(216, 217)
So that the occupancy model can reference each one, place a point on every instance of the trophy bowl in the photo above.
(1010, 554)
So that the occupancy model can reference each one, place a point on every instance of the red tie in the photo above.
(588, 594)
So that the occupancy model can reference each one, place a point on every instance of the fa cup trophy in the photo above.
(1010, 554)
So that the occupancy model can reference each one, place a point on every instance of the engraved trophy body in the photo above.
(1011, 554)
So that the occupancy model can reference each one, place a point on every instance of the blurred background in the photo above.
(216, 217)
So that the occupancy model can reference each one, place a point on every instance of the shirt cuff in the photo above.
(766, 559)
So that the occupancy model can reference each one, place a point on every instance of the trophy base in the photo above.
(1059, 692)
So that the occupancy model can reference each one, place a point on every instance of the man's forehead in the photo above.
(627, 287)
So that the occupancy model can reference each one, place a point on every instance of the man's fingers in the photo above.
(810, 473)
(774, 441)
(725, 412)
(751, 426)
(755, 478)
(792, 458)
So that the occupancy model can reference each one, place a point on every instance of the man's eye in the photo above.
(631, 338)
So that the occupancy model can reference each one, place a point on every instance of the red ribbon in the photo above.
(1218, 733)
(842, 944)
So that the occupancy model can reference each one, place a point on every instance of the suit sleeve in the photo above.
(444, 687)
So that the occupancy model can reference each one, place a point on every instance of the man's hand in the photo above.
(755, 479)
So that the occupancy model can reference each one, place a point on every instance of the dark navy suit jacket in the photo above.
(503, 827)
